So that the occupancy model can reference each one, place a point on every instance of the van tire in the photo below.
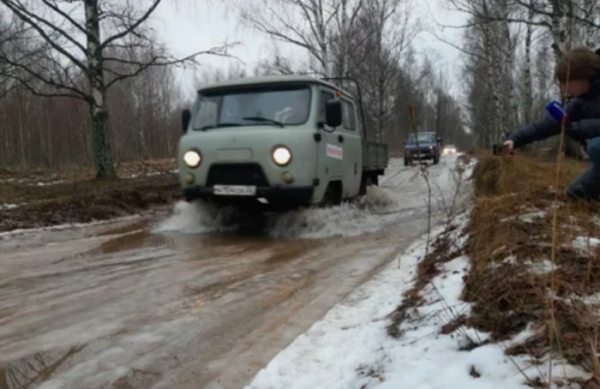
(375, 179)
(367, 181)
(333, 195)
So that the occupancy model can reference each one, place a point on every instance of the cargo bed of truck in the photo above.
(375, 157)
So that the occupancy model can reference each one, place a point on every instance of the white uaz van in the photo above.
(276, 143)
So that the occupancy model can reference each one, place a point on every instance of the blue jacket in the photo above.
(584, 120)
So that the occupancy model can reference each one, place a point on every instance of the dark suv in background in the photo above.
(426, 145)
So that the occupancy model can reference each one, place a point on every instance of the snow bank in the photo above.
(350, 346)
(62, 227)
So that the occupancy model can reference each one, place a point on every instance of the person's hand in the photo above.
(573, 131)
(509, 146)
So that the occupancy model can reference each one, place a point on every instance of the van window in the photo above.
(252, 106)
(348, 118)
(324, 98)
(421, 138)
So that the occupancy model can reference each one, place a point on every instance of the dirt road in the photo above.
(164, 302)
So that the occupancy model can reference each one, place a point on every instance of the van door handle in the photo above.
(341, 139)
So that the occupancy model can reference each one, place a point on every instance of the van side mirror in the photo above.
(439, 140)
(333, 113)
(186, 117)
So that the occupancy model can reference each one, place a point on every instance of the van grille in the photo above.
(236, 174)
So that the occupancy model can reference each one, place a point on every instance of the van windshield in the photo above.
(266, 105)
(423, 138)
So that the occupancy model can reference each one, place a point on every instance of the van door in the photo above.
(353, 150)
(331, 147)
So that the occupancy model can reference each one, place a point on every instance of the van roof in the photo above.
(277, 79)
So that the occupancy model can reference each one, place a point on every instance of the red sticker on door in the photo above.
(335, 152)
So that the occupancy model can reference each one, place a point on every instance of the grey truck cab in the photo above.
(276, 142)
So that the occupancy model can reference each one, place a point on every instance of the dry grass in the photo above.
(509, 283)
(83, 173)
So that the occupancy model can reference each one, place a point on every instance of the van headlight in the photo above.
(282, 155)
(192, 158)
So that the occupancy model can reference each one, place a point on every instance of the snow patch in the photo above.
(350, 347)
(62, 227)
(584, 243)
(540, 267)
(48, 183)
(532, 215)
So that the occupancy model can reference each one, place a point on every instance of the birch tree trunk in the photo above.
(527, 78)
(590, 33)
(560, 28)
(101, 145)
(494, 71)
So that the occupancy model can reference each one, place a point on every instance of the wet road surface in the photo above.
(117, 306)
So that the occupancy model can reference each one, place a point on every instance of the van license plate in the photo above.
(234, 190)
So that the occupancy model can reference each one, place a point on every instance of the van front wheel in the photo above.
(332, 196)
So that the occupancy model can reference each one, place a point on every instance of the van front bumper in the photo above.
(275, 196)
(428, 154)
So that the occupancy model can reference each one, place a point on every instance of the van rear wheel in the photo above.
(367, 181)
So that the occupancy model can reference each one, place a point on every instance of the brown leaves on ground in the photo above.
(75, 197)
(512, 280)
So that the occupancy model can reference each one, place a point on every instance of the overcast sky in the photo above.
(194, 25)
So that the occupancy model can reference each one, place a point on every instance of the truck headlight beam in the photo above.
(282, 156)
(192, 158)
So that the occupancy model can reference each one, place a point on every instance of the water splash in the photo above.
(349, 219)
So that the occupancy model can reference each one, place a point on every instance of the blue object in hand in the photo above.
(556, 111)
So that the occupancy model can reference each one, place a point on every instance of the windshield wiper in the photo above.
(220, 125)
(265, 120)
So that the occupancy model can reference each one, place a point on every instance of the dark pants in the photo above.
(587, 185)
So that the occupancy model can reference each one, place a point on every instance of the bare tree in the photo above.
(312, 25)
(527, 76)
(564, 22)
(491, 46)
(69, 45)
(385, 29)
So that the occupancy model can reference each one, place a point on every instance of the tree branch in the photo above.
(49, 40)
(160, 61)
(132, 27)
(27, 16)
(65, 15)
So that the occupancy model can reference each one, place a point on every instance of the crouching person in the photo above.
(583, 108)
